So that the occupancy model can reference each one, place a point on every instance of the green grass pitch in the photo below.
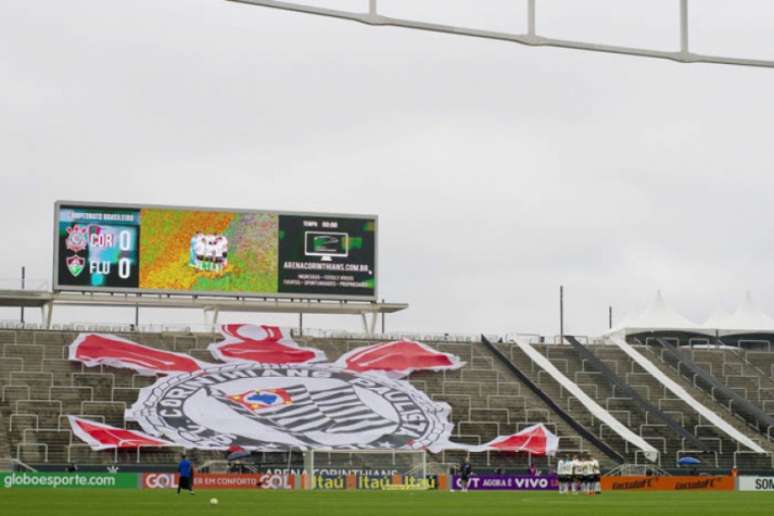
(65, 502)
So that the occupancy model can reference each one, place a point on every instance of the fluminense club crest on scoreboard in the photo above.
(266, 407)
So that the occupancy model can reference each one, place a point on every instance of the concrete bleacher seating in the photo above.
(39, 387)
(626, 410)
(759, 364)
(485, 398)
(732, 368)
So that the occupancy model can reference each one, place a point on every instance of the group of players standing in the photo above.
(578, 474)
(208, 252)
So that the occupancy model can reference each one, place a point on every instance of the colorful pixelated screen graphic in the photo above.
(166, 249)
(205, 251)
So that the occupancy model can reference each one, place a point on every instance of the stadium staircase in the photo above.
(715, 360)
(577, 427)
(759, 364)
(566, 360)
(662, 421)
(729, 377)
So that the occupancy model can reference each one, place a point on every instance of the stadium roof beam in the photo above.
(213, 306)
(531, 38)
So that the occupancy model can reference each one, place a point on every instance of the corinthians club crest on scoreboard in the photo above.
(258, 406)
(77, 238)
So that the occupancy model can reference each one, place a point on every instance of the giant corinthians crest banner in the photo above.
(269, 393)
(274, 394)
(259, 406)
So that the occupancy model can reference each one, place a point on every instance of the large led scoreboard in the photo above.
(204, 251)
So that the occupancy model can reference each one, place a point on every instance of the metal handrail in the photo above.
(24, 465)
(746, 452)
(24, 445)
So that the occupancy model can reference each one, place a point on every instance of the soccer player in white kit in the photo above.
(597, 475)
(588, 475)
(576, 474)
(564, 472)
(559, 477)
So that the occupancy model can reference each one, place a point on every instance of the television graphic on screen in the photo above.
(326, 244)
(205, 251)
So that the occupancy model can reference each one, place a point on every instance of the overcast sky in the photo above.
(498, 171)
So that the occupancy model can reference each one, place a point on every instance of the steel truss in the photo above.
(531, 38)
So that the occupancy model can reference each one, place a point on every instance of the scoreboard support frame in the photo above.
(211, 307)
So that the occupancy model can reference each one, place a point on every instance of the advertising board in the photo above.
(752, 483)
(285, 481)
(203, 251)
(218, 481)
(679, 483)
(69, 480)
(508, 483)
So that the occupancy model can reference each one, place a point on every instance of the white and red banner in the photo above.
(273, 394)
(262, 344)
(95, 349)
(279, 407)
(100, 436)
(535, 440)
(398, 358)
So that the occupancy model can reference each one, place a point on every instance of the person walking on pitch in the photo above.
(465, 471)
(185, 469)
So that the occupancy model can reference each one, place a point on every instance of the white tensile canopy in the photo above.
(659, 316)
(748, 318)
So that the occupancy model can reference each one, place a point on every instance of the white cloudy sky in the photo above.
(498, 171)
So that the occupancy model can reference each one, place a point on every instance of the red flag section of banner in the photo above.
(102, 437)
(536, 440)
(94, 349)
(262, 344)
(398, 358)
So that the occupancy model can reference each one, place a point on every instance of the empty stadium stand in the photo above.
(719, 452)
(758, 364)
(649, 410)
(747, 374)
(39, 387)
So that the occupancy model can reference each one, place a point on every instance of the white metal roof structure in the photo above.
(372, 16)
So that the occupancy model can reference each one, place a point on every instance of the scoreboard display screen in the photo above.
(120, 248)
